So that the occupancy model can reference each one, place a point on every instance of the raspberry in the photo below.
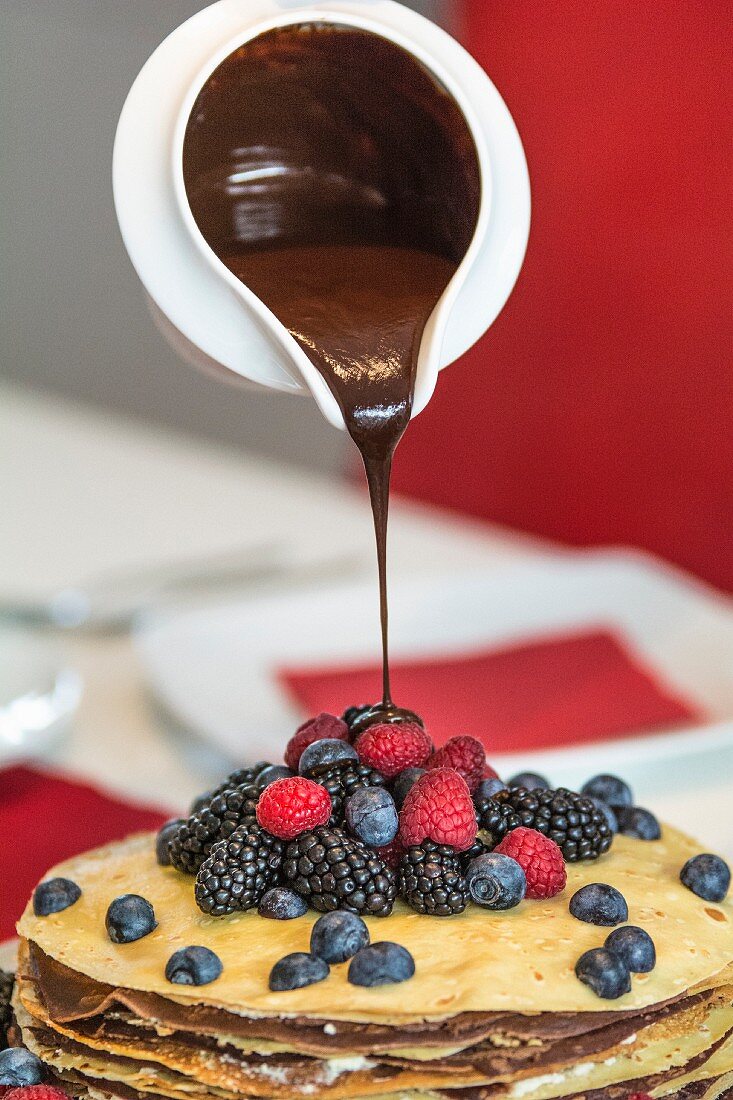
(315, 729)
(289, 807)
(439, 808)
(488, 772)
(539, 857)
(36, 1092)
(390, 748)
(391, 854)
(638, 1096)
(466, 755)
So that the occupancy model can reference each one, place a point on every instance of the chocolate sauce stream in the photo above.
(337, 179)
(378, 473)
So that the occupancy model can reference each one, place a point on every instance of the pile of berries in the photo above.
(352, 821)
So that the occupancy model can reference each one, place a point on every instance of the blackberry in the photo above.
(6, 1012)
(234, 779)
(333, 870)
(215, 821)
(576, 825)
(341, 779)
(431, 880)
(240, 777)
(239, 871)
(478, 848)
(495, 820)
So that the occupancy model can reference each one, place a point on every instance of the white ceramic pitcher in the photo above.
(205, 312)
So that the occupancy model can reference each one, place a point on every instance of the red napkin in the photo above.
(557, 691)
(44, 819)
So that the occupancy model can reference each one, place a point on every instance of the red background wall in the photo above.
(599, 407)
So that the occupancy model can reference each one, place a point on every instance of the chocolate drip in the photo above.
(338, 180)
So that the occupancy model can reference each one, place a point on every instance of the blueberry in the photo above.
(598, 903)
(272, 772)
(193, 966)
(282, 904)
(371, 816)
(634, 946)
(296, 971)
(487, 788)
(336, 937)
(529, 780)
(54, 895)
(381, 964)
(638, 823)
(18, 1068)
(606, 974)
(330, 750)
(129, 918)
(496, 881)
(707, 876)
(163, 839)
(610, 789)
(608, 813)
(403, 782)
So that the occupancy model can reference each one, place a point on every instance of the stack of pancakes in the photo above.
(494, 1009)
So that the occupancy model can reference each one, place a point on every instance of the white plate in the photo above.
(213, 668)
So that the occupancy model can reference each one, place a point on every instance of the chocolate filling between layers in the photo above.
(694, 1091)
(501, 1054)
(303, 1081)
(70, 996)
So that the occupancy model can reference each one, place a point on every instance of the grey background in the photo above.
(72, 315)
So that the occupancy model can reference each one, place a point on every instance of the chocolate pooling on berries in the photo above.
(332, 173)
(383, 712)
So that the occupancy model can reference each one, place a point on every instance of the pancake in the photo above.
(521, 960)
(494, 1010)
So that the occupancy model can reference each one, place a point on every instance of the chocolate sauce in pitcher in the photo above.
(335, 177)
